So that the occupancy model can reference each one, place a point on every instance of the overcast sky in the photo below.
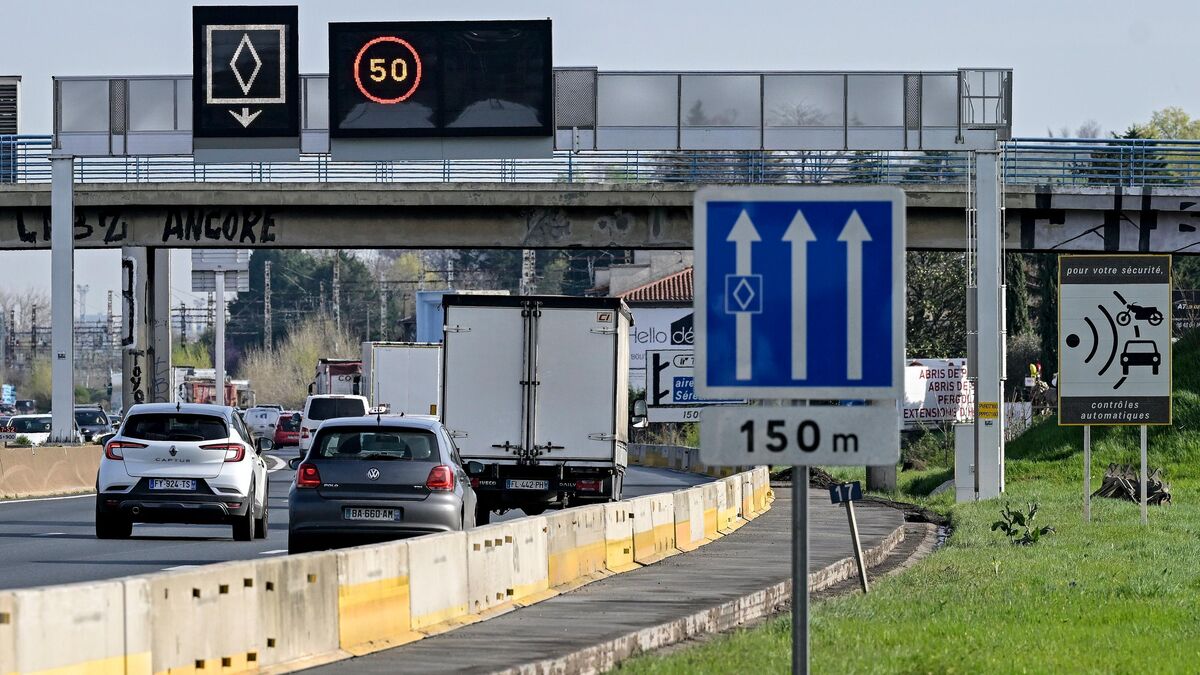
(1112, 62)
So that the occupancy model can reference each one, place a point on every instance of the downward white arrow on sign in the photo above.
(246, 119)
(799, 234)
(743, 235)
(854, 234)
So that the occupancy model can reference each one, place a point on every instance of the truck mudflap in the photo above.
(508, 486)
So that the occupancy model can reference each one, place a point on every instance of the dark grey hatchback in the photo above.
(377, 478)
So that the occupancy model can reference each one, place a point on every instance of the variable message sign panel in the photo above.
(440, 79)
(245, 77)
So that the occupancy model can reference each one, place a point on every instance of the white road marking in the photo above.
(179, 567)
(50, 534)
(274, 552)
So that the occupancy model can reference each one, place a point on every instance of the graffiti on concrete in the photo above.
(219, 225)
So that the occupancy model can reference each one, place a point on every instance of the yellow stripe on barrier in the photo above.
(443, 620)
(112, 665)
(374, 615)
(619, 555)
(710, 524)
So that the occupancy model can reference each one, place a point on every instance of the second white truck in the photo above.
(535, 395)
(403, 377)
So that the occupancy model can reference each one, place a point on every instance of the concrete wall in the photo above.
(296, 611)
(49, 470)
(545, 215)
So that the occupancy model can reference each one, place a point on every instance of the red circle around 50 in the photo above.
(389, 72)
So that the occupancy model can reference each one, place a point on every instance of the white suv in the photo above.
(321, 407)
(182, 463)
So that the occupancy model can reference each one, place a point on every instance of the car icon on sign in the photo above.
(1140, 353)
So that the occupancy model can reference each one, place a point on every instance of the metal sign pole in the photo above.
(1087, 473)
(1145, 515)
(219, 341)
(800, 570)
(858, 556)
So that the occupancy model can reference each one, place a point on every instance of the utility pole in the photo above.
(383, 321)
(337, 293)
(82, 291)
(182, 323)
(321, 301)
(33, 331)
(268, 327)
(110, 331)
(528, 270)
(212, 310)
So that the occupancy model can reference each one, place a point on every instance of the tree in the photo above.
(937, 304)
(1172, 123)
(282, 375)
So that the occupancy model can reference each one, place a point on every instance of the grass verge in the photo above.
(1110, 596)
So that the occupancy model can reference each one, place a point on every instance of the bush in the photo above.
(282, 375)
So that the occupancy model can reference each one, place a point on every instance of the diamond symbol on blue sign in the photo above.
(743, 294)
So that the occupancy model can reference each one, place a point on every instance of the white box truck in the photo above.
(535, 394)
(404, 377)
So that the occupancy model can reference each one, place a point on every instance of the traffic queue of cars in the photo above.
(359, 477)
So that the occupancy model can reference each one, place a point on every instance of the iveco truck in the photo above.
(535, 396)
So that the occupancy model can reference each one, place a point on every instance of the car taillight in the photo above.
(307, 476)
(587, 485)
(113, 449)
(441, 477)
(304, 433)
(234, 452)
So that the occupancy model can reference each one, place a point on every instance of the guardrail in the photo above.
(1075, 162)
(297, 611)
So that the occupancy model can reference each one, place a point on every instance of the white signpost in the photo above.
(210, 269)
(1114, 348)
(800, 295)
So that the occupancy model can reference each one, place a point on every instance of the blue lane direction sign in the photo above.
(799, 292)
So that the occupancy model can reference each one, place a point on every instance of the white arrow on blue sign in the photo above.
(799, 292)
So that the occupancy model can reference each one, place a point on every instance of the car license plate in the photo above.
(364, 513)
(528, 484)
(172, 484)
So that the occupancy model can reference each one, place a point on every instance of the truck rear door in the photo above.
(576, 396)
(482, 394)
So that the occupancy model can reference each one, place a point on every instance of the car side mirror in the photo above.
(265, 445)
(639, 413)
(294, 462)
(474, 468)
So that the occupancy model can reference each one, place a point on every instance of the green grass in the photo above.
(1112, 596)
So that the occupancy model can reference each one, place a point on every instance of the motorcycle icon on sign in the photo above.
(1150, 315)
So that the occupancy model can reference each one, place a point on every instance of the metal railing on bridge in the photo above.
(1076, 162)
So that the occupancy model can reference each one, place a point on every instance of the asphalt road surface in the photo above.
(52, 541)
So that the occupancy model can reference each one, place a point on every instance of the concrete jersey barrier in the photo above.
(297, 611)
(48, 470)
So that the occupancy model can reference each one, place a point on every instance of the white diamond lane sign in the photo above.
(245, 82)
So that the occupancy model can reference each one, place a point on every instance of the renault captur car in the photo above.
(183, 463)
(377, 478)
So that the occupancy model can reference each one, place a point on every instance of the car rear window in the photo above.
(416, 445)
(287, 423)
(31, 425)
(329, 408)
(89, 418)
(175, 427)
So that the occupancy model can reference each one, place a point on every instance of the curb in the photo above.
(607, 655)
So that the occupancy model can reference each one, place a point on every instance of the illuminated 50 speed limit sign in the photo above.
(387, 70)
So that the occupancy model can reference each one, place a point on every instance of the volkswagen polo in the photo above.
(377, 478)
(183, 463)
